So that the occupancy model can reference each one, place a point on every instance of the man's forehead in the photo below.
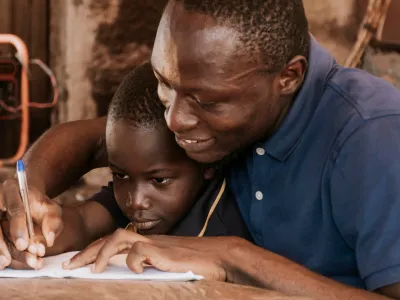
(179, 49)
(180, 29)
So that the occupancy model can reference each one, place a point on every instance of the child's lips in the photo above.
(145, 224)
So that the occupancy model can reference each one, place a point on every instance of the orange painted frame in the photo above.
(23, 55)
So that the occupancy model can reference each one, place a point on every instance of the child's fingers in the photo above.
(119, 241)
(85, 257)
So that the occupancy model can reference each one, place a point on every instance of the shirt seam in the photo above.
(348, 99)
(381, 271)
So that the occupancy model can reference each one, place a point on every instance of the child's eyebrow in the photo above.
(157, 171)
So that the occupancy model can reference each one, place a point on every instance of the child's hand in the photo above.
(201, 255)
(86, 256)
(103, 249)
(121, 240)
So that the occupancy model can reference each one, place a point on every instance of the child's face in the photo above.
(155, 183)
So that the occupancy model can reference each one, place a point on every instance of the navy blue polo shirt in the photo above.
(324, 190)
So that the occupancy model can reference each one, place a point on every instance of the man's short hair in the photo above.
(136, 100)
(275, 30)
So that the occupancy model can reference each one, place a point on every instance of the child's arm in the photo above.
(82, 225)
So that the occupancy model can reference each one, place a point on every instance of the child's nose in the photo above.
(138, 201)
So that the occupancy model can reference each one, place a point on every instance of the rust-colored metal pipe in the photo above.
(23, 56)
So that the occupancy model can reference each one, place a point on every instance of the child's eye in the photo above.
(163, 181)
(120, 175)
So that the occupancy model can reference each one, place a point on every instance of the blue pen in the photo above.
(23, 187)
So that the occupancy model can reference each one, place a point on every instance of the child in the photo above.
(156, 187)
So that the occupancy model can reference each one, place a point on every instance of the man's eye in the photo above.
(206, 104)
(120, 175)
(203, 104)
(163, 181)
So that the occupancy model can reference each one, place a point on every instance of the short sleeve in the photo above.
(365, 198)
(106, 198)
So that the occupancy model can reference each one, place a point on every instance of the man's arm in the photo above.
(64, 154)
(265, 269)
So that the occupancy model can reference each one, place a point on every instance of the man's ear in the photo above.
(208, 173)
(292, 75)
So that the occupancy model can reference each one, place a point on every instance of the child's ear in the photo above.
(209, 173)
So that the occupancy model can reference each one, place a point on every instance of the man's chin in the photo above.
(214, 160)
(205, 157)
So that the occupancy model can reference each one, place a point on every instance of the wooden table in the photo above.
(59, 289)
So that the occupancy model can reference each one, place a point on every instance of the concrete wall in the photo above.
(334, 23)
(94, 43)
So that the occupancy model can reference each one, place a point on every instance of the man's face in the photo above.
(217, 100)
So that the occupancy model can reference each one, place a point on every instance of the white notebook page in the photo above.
(116, 269)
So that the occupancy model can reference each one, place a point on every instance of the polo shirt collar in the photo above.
(193, 222)
(283, 142)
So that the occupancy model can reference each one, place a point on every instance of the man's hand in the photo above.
(203, 256)
(46, 215)
(19, 259)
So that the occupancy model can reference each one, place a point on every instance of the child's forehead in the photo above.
(156, 143)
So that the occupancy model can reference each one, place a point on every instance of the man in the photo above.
(312, 149)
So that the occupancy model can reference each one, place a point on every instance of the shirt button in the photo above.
(260, 151)
(259, 195)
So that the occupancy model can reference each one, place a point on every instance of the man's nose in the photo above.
(179, 116)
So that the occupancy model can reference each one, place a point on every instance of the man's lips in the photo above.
(194, 145)
(145, 224)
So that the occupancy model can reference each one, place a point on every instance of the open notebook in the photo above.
(116, 269)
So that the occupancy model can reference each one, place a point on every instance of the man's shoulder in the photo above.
(368, 96)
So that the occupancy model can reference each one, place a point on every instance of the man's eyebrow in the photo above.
(226, 86)
(114, 166)
(188, 89)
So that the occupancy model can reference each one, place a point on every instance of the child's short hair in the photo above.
(136, 100)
